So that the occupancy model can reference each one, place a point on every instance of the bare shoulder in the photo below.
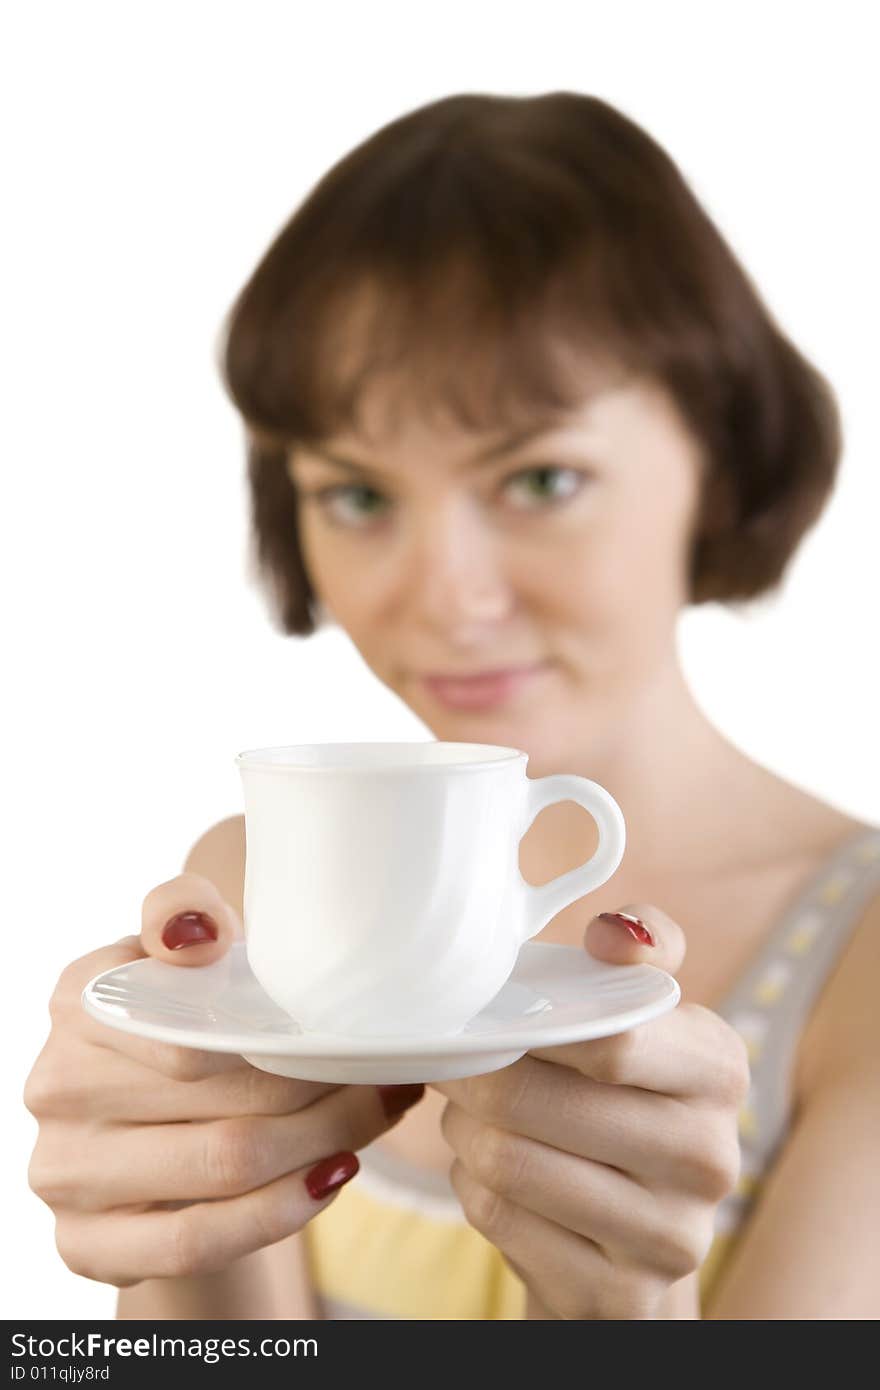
(843, 1032)
(219, 855)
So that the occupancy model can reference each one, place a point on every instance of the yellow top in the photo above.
(395, 1244)
(371, 1257)
(398, 1263)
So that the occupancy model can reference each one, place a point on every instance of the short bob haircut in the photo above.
(486, 230)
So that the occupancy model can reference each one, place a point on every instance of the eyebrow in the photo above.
(481, 460)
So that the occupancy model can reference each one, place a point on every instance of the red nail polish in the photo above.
(634, 925)
(331, 1173)
(396, 1099)
(188, 929)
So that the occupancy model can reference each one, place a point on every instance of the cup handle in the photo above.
(544, 900)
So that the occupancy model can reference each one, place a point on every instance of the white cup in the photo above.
(383, 895)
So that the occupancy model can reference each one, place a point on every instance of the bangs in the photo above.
(443, 349)
(480, 300)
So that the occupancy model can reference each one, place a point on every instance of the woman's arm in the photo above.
(811, 1249)
(680, 1303)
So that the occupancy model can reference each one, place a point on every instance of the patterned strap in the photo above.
(771, 1002)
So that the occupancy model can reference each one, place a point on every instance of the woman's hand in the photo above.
(163, 1161)
(596, 1167)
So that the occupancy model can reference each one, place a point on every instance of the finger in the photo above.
(100, 1084)
(689, 1052)
(571, 1274)
(656, 1139)
(124, 1248)
(215, 1159)
(167, 1059)
(592, 1199)
(609, 937)
(187, 921)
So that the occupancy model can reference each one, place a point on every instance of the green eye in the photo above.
(358, 493)
(367, 495)
(350, 504)
(542, 480)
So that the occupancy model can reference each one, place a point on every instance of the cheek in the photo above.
(652, 531)
(328, 563)
(626, 570)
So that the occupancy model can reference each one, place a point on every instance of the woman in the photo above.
(511, 402)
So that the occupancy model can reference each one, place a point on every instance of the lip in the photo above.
(483, 689)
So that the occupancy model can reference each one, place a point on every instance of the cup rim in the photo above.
(261, 760)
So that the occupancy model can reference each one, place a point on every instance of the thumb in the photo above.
(636, 934)
(187, 921)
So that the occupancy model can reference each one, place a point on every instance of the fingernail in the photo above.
(634, 925)
(188, 929)
(396, 1099)
(331, 1173)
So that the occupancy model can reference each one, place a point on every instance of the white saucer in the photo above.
(556, 994)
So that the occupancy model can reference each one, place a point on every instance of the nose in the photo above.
(456, 578)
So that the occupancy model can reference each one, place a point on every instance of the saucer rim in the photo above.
(332, 1046)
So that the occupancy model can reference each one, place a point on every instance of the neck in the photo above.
(667, 765)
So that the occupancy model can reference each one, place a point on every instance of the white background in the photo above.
(152, 151)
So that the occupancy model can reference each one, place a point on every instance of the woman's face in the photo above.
(448, 552)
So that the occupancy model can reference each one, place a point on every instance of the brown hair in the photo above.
(486, 229)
